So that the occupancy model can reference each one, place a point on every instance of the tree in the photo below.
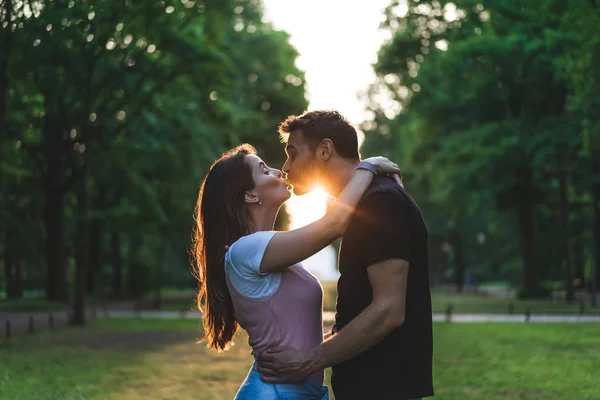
(125, 107)
(483, 116)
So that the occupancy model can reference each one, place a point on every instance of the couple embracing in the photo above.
(250, 276)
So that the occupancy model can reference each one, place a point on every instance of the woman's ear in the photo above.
(325, 150)
(251, 197)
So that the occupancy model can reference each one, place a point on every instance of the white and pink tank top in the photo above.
(276, 309)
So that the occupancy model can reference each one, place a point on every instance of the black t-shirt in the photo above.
(387, 224)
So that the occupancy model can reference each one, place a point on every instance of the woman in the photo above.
(249, 274)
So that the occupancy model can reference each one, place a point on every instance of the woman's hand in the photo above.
(386, 167)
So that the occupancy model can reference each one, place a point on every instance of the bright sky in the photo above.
(338, 42)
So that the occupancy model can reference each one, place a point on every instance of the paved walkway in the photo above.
(517, 318)
(22, 322)
(16, 322)
(329, 316)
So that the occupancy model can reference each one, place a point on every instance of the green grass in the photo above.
(129, 359)
(474, 303)
(40, 304)
(177, 304)
(32, 300)
(31, 305)
(28, 294)
(507, 361)
(118, 359)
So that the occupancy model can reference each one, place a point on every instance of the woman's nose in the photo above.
(278, 173)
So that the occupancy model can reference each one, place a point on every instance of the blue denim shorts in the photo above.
(255, 388)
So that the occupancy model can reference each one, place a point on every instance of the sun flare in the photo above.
(307, 208)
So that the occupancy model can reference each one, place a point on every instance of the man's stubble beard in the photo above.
(307, 180)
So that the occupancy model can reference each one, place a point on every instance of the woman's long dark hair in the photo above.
(221, 219)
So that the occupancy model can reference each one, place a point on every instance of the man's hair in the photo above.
(323, 124)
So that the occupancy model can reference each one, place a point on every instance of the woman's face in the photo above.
(270, 188)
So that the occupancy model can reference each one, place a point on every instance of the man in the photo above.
(381, 344)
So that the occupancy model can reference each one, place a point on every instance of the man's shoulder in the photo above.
(382, 184)
(384, 191)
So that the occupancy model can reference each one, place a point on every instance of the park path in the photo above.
(17, 322)
(328, 316)
(22, 322)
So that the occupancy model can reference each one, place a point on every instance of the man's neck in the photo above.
(339, 172)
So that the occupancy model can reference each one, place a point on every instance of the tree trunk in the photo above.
(95, 254)
(438, 263)
(137, 278)
(525, 208)
(17, 283)
(12, 270)
(8, 262)
(459, 260)
(54, 154)
(56, 288)
(596, 236)
(578, 254)
(116, 283)
(81, 254)
(5, 52)
(564, 218)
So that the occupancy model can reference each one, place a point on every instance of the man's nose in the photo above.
(286, 168)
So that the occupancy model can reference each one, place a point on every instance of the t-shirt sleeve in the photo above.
(246, 253)
(385, 223)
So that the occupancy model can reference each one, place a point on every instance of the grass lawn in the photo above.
(40, 304)
(31, 305)
(128, 359)
(474, 303)
(523, 361)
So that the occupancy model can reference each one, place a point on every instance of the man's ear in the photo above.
(251, 197)
(325, 150)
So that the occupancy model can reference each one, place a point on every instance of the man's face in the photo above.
(301, 164)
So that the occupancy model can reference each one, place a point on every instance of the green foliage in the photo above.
(120, 112)
(490, 129)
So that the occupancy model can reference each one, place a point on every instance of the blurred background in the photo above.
(111, 113)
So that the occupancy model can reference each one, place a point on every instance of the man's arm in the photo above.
(385, 313)
(389, 249)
